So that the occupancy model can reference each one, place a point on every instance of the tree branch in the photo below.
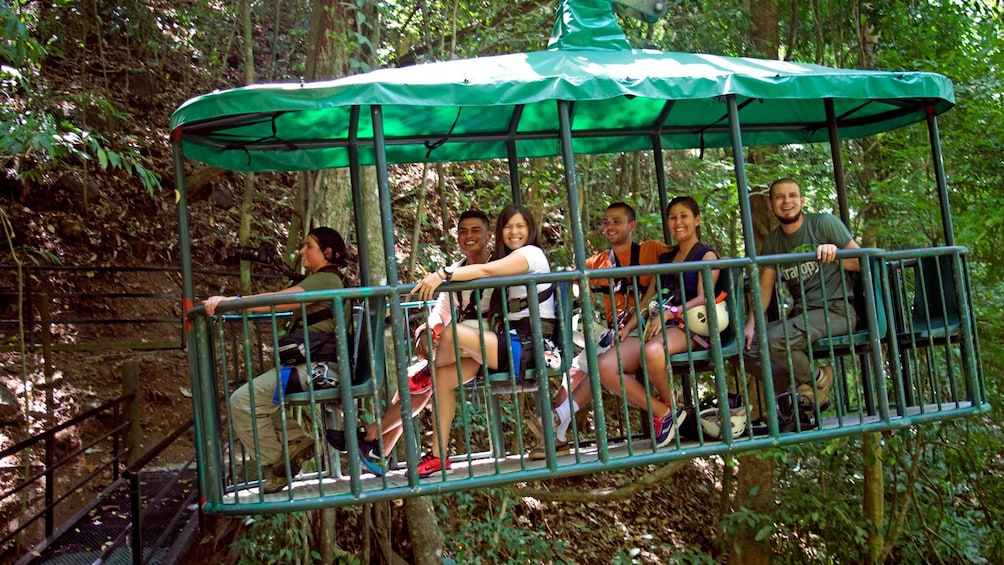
(607, 494)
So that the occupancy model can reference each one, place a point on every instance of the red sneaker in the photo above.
(429, 465)
(419, 378)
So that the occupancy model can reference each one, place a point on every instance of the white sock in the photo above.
(565, 411)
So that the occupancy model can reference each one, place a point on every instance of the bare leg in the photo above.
(392, 423)
(655, 359)
(446, 381)
(630, 361)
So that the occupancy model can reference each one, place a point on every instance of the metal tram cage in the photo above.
(914, 359)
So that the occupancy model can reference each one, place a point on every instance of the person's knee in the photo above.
(447, 335)
(240, 399)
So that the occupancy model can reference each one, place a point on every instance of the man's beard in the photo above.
(792, 220)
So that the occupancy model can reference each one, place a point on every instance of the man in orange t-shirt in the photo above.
(618, 228)
(619, 224)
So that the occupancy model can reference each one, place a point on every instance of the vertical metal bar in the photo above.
(579, 256)
(196, 341)
(968, 342)
(939, 176)
(398, 324)
(751, 252)
(45, 324)
(358, 209)
(838, 165)
(184, 236)
(660, 181)
(136, 536)
(514, 181)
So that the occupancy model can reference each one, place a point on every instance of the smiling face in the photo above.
(311, 254)
(618, 227)
(683, 223)
(516, 232)
(786, 201)
(472, 238)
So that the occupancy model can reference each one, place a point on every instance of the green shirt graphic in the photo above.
(816, 230)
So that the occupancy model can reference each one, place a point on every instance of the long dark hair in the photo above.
(689, 203)
(501, 250)
(504, 216)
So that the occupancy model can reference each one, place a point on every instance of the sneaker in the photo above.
(539, 452)
(419, 378)
(369, 456)
(429, 465)
(824, 382)
(664, 427)
(336, 438)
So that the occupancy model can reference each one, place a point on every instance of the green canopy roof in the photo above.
(481, 108)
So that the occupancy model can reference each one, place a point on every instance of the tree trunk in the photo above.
(755, 481)
(416, 232)
(424, 531)
(755, 489)
(874, 485)
(326, 199)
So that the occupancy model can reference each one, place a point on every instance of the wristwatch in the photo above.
(675, 311)
(448, 272)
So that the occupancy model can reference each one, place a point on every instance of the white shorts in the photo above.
(581, 361)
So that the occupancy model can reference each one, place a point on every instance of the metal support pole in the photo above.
(660, 181)
(746, 213)
(838, 165)
(939, 175)
(517, 196)
(398, 323)
(358, 208)
(579, 256)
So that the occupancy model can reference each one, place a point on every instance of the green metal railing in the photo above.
(912, 357)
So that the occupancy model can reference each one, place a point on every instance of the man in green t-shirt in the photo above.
(817, 288)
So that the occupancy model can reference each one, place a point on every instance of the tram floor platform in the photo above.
(307, 485)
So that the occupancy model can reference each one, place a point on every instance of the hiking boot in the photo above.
(808, 396)
(299, 452)
(274, 483)
(539, 452)
(664, 427)
(536, 427)
(247, 474)
(429, 465)
(419, 378)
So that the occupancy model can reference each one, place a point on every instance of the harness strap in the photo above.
(519, 304)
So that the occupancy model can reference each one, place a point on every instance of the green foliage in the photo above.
(276, 538)
(34, 139)
(489, 527)
(17, 47)
(944, 498)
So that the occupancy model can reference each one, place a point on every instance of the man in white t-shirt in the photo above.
(473, 236)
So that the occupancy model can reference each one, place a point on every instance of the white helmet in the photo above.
(711, 422)
(697, 318)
